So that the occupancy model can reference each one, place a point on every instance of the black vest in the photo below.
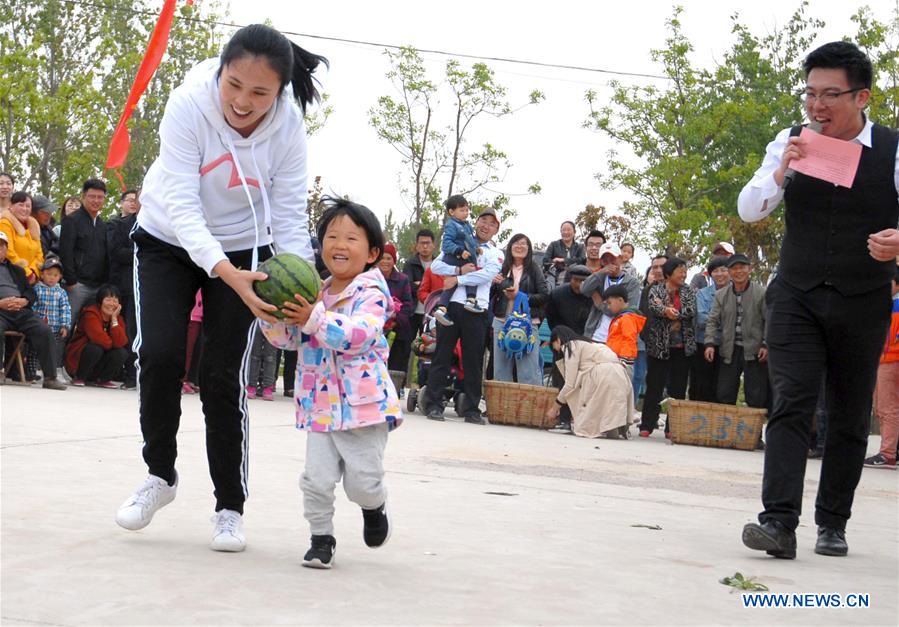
(827, 226)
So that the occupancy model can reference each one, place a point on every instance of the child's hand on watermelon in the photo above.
(298, 312)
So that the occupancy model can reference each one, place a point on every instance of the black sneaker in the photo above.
(879, 461)
(436, 414)
(475, 419)
(563, 427)
(376, 531)
(321, 553)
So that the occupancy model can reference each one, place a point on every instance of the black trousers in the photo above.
(417, 320)
(471, 328)
(810, 334)
(98, 364)
(130, 316)
(37, 334)
(755, 380)
(399, 355)
(290, 369)
(704, 377)
(558, 382)
(674, 372)
(167, 282)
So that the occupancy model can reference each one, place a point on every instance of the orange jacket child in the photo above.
(623, 333)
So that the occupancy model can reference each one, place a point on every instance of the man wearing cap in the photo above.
(42, 210)
(829, 306)
(16, 297)
(703, 373)
(468, 326)
(611, 274)
(702, 279)
(738, 319)
(568, 307)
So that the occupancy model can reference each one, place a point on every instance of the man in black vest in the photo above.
(829, 307)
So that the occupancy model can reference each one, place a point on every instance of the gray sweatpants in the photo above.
(356, 455)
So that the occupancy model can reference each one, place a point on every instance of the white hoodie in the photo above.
(193, 195)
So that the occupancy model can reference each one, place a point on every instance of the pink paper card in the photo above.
(828, 159)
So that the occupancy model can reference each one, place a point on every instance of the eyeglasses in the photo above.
(827, 98)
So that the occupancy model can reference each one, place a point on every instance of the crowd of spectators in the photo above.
(618, 335)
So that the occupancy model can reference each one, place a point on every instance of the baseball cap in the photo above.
(489, 211)
(579, 270)
(52, 262)
(609, 249)
(42, 203)
(725, 246)
(738, 258)
(615, 290)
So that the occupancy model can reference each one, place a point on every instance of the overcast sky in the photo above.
(546, 143)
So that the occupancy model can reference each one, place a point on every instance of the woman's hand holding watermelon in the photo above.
(298, 313)
(241, 281)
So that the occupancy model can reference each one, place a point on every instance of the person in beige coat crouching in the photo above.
(597, 386)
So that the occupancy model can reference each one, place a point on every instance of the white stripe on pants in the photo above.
(357, 456)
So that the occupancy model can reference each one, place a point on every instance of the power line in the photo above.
(560, 66)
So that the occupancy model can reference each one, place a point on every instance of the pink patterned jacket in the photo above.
(342, 380)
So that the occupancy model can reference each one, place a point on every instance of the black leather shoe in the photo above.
(436, 414)
(475, 419)
(831, 542)
(771, 536)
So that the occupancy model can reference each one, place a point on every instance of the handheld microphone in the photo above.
(814, 125)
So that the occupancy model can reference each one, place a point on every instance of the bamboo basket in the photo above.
(714, 424)
(519, 404)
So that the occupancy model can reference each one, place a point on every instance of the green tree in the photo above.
(880, 41)
(65, 78)
(431, 137)
(698, 139)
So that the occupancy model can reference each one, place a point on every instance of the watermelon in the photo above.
(287, 275)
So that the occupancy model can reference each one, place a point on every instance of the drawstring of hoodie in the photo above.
(267, 217)
(243, 181)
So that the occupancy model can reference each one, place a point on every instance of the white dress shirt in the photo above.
(762, 194)
(491, 260)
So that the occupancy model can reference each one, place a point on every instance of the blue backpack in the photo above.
(518, 336)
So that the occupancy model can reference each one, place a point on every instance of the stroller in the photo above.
(424, 346)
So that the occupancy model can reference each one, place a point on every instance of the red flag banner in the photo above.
(121, 140)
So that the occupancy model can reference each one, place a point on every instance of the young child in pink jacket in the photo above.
(345, 398)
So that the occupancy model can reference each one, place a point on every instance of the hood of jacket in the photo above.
(368, 279)
(33, 226)
(630, 311)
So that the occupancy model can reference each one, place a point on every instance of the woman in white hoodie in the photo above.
(227, 190)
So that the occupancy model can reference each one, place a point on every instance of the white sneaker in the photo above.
(228, 534)
(137, 512)
(63, 376)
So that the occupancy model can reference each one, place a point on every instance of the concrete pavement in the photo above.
(494, 525)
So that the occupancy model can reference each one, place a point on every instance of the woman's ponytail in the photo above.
(304, 64)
